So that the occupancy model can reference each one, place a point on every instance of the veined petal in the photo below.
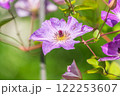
(48, 46)
(112, 19)
(58, 24)
(69, 44)
(71, 21)
(109, 58)
(70, 76)
(110, 49)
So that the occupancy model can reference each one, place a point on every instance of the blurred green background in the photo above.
(18, 65)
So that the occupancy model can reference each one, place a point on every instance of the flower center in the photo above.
(118, 50)
(61, 35)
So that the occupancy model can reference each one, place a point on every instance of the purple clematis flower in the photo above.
(57, 33)
(73, 73)
(5, 3)
(112, 49)
(28, 7)
(113, 18)
(60, 2)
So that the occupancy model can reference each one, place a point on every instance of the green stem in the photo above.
(18, 34)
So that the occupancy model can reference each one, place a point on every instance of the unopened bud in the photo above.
(112, 4)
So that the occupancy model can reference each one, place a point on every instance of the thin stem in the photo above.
(18, 34)
(32, 24)
(85, 43)
(103, 23)
(71, 6)
(103, 35)
(10, 37)
(105, 2)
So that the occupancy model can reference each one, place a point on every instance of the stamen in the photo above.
(61, 34)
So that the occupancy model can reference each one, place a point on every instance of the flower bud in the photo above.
(112, 4)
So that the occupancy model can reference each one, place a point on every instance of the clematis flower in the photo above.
(112, 49)
(57, 33)
(73, 73)
(5, 3)
(114, 17)
(28, 7)
(60, 2)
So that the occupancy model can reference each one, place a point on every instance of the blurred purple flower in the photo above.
(57, 33)
(114, 18)
(60, 2)
(73, 73)
(112, 49)
(28, 7)
(5, 3)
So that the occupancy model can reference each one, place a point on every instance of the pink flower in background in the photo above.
(28, 7)
(73, 73)
(57, 33)
(5, 3)
(60, 2)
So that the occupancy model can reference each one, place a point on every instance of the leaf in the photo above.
(65, 10)
(114, 69)
(82, 7)
(93, 62)
(73, 1)
(5, 21)
(92, 71)
(107, 65)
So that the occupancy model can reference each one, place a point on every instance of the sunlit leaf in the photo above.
(93, 62)
(82, 7)
(92, 71)
(96, 34)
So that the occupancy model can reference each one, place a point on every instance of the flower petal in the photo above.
(110, 49)
(74, 69)
(58, 24)
(112, 19)
(5, 5)
(70, 76)
(117, 37)
(69, 44)
(109, 58)
(71, 21)
(48, 46)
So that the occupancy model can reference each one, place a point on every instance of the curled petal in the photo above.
(5, 5)
(109, 58)
(112, 19)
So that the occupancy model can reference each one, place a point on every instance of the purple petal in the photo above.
(109, 58)
(117, 37)
(110, 49)
(59, 1)
(51, 7)
(112, 19)
(5, 5)
(58, 24)
(48, 46)
(71, 21)
(69, 44)
(70, 76)
(74, 69)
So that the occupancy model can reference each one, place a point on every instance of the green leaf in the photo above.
(73, 1)
(82, 7)
(93, 62)
(92, 71)
(5, 21)
(65, 10)
(114, 69)
(107, 65)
